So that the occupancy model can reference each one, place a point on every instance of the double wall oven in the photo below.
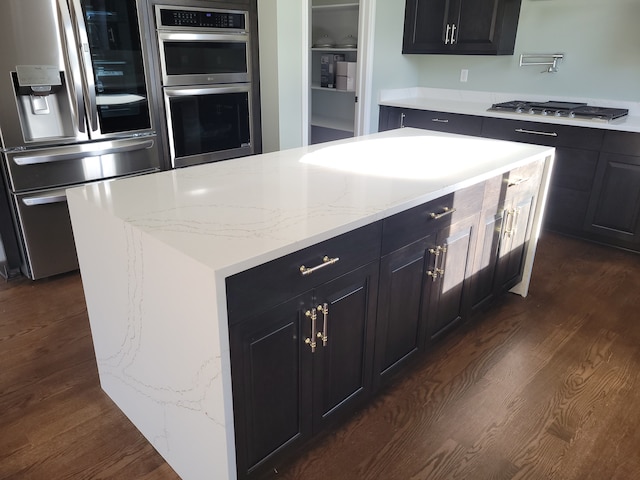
(205, 64)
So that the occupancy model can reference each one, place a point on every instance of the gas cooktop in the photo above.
(576, 110)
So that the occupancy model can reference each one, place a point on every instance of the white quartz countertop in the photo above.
(237, 214)
(476, 103)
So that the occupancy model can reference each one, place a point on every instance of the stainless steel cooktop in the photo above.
(576, 110)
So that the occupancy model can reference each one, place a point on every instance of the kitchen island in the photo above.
(157, 254)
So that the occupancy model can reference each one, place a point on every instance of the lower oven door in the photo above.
(48, 244)
(207, 124)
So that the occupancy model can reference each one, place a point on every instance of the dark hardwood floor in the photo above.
(546, 387)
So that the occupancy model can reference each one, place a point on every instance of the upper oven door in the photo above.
(208, 123)
(189, 58)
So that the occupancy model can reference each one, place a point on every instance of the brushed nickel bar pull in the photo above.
(436, 253)
(446, 37)
(440, 271)
(402, 120)
(510, 222)
(453, 34)
(311, 341)
(517, 182)
(440, 120)
(324, 308)
(447, 211)
(535, 132)
(326, 261)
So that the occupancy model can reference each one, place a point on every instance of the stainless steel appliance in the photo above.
(75, 107)
(200, 46)
(576, 110)
(205, 65)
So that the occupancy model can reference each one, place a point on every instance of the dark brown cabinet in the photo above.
(393, 117)
(314, 333)
(485, 27)
(304, 363)
(402, 306)
(504, 233)
(614, 207)
(424, 276)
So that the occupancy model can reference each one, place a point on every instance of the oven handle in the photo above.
(73, 154)
(199, 90)
(239, 37)
(57, 196)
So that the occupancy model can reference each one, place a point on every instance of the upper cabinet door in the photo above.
(425, 26)
(485, 27)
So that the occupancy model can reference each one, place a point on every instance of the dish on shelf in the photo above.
(348, 41)
(324, 41)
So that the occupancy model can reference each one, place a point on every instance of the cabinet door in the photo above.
(402, 305)
(486, 257)
(515, 234)
(343, 360)
(614, 207)
(573, 174)
(486, 26)
(425, 26)
(271, 376)
(449, 297)
(461, 26)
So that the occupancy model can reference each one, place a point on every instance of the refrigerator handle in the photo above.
(74, 66)
(57, 196)
(126, 146)
(87, 63)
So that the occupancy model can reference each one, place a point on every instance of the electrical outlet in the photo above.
(464, 75)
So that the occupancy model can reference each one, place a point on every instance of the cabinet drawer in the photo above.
(517, 183)
(413, 224)
(623, 143)
(548, 134)
(254, 290)
(442, 122)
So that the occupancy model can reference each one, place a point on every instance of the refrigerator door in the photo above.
(72, 164)
(48, 239)
(113, 67)
(41, 99)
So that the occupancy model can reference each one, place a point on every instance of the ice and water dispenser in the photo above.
(43, 103)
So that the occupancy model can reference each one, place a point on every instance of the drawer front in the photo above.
(518, 183)
(413, 224)
(548, 134)
(259, 288)
(623, 143)
(443, 122)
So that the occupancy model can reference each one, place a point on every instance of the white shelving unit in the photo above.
(332, 111)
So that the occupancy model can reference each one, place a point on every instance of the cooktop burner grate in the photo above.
(578, 110)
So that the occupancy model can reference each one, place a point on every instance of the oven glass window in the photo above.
(210, 123)
(189, 58)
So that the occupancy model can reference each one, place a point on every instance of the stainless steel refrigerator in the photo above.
(76, 106)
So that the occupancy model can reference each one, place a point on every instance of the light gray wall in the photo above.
(599, 38)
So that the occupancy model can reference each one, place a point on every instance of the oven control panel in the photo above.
(189, 18)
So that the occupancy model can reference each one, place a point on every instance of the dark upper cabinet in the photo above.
(472, 27)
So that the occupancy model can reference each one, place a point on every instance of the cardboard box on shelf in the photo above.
(328, 69)
(346, 76)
